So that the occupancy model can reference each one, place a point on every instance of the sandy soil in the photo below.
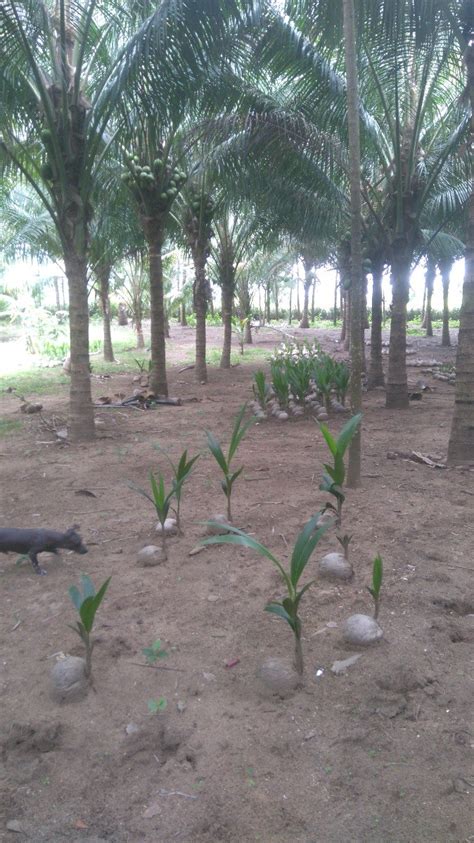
(381, 754)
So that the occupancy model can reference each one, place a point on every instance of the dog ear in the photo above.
(74, 527)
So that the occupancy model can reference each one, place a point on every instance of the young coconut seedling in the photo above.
(87, 604)
(223, 462)
(181, 473)
(333, 479)
(345, 541)
(374, 590)
(324, 381)
(341, 379)
(160, 500)
(287, 608)
(261, 389)
(280, 383)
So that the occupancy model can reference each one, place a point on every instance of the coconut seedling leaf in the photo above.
(216, 451)
(88, 588)
(235, 475)
(75, 596)
(239, 432)
(236, 536)
(299, 561)
(305, 543)
(377, 575)
(300, 593)
(278, 609)
(347, 433)
(330, 441)
(141, 492)
(90, 605)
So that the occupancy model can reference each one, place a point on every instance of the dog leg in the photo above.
(33, 554)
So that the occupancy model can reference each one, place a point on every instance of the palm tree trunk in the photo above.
(81, 411)
(140, 337)
(267, 302)
(423, 308)
(461, 440)
(182, 315)
(445, 267)
(376, 376)
(347, 337)
(200, 307)
(342, 338)
(56, 291)
(227, 285)
(306, 288)
(397, 387)
(365, 319)
(103, 275)
(158, 381)
(245, 308)
(430, 277)
(275, 292)
(357, 288)
(289, 310)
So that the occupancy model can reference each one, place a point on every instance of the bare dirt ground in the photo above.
(382, 754)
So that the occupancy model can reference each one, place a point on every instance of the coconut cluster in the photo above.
(199, 216)
(159, 183)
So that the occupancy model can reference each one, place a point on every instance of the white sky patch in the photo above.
(27, 273)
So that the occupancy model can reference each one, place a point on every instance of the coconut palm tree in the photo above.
(65, 68)
(461, 440)
(428, 24)
(197, 219)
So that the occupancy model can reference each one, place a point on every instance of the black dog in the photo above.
(32, 542)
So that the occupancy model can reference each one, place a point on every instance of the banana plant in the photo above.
(286, 608)
(224, 462)
(87, 604)
(160, 500)
(333, 478)
(374, 590)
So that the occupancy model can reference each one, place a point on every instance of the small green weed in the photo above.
(155, 652)
(155, 706)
